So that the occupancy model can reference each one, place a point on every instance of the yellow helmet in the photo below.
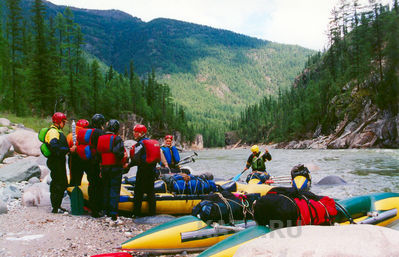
(255, 148)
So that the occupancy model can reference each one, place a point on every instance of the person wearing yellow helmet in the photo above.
(257, 161)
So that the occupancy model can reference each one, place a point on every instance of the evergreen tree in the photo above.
(14, 34)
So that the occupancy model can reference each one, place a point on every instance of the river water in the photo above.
(365, 170)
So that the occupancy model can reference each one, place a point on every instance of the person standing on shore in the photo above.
(58, 146)
(77, 165)
(145, 155)
(112, 151)
(95, 189)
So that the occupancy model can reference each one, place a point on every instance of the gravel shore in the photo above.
(35, 231)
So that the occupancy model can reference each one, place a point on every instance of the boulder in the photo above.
(4, 122)
(44, 171)
(37, 195)
(5, 147)
(19, 171)
(351, 240)
(3, 207)
(25, 142)
(9, 192)
(363, 140)
(13, 159)
(3, 130)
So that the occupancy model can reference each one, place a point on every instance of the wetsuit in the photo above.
(145, 178)
(58, 146)
(95, 189)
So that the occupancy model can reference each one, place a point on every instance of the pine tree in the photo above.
(43, 87)
(14, 34)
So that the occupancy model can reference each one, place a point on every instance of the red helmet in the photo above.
(59, 117)
(82, 123)
(140, 128)
(169, 137)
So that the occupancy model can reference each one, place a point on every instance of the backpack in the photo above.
(42, 136)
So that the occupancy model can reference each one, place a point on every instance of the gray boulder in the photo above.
(3, 130)
(19, 171)
(3, 207)
(13, 159)
(350, 240)
(44, 171)
(25, 142)
(10, 192)
(5, 147)
(37, 195)
(4, 122)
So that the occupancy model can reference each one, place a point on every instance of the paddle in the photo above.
(235, 179)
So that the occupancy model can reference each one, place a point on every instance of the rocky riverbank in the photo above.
(371, 128)
(27, 226)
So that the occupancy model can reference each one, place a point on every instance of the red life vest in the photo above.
(83, 148)
(104, 147)
(313, 212)
(152, 151)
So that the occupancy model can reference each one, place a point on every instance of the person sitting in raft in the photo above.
(171, 155)
(257, 162)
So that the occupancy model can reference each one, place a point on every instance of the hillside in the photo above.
(214, 73)
(346, 97)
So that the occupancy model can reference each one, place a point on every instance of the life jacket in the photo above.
(83, 143)
(152, 150)
(104, 147)
(171, 153)
(257, 163)
(83, 148)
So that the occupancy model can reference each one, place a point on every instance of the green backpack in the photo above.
(44, 148)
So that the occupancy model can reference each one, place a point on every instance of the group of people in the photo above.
(95, 148)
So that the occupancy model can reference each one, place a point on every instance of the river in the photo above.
(364, 170)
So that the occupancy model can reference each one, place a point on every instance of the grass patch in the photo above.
(35, 123)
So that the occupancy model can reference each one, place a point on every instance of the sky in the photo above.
(298, 22)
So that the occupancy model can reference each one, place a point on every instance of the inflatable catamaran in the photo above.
(190, 233)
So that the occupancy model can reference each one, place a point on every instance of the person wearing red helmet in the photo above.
(58, 146)
(145, 155)
(171, 154)
(76, 165)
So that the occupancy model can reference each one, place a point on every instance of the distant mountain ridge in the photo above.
(213, 73)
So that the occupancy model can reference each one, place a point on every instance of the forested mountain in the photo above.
(350, 89)
(212, 73)
(44, 68)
